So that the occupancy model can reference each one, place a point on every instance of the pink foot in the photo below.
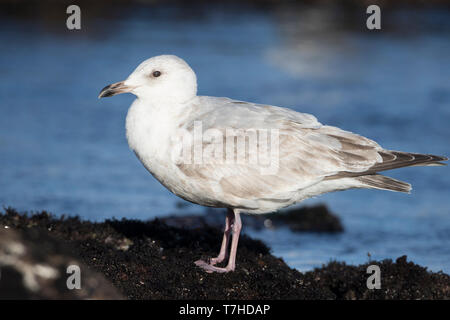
(216, 260)
(209, 268)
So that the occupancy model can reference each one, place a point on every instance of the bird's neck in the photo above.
(167, 102)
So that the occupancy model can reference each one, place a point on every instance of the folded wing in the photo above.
(305, 154)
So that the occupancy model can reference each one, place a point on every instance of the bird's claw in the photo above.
(210, 268)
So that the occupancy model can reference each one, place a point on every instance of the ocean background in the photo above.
(65, 151)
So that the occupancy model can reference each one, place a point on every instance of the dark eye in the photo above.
(156, 74)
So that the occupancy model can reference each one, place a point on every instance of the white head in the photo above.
(164, 78)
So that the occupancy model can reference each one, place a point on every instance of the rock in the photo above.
(158, 264)
(400, 280)
(305, 219)
(34, 266)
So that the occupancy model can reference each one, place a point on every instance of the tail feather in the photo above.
(431, 164)
(391, 160)
(397, 159)
(378, 181)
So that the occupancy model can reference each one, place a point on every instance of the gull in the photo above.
(167, 124)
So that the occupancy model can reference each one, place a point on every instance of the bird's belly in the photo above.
(169, 176)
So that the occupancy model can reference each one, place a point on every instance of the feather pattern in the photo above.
(309, 154)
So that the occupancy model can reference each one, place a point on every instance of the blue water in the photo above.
(63, 150)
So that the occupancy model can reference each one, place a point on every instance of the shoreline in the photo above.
(153, 260)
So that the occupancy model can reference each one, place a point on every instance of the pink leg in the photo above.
(226, 239)
(237, 226)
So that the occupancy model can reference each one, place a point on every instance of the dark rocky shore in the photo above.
(154, 260)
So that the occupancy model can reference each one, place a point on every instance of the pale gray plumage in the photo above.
(311, 158)
(311, 154)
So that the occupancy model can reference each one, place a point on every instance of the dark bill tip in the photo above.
(106, 92)
(113, 89)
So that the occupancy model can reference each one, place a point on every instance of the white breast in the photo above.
(148, 133)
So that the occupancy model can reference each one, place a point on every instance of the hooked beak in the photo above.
(113, 89)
